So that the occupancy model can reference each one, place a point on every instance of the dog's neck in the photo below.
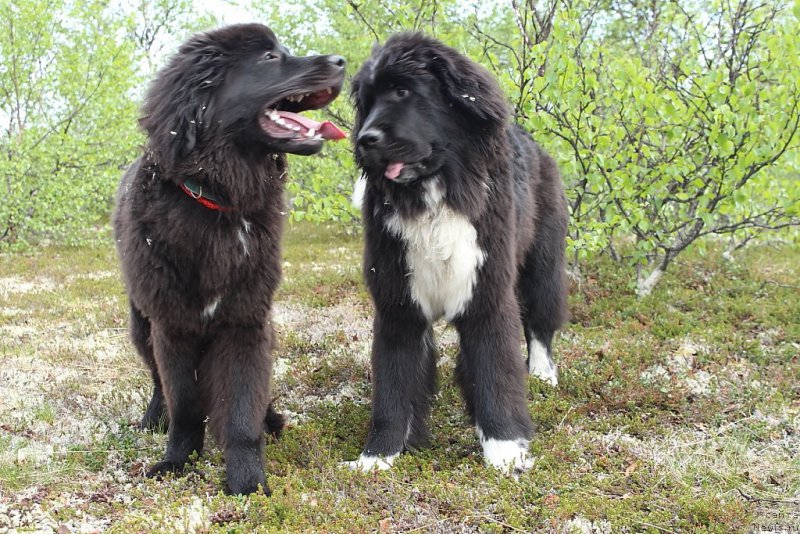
(268, 177)
(195, 190)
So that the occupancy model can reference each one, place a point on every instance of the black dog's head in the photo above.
(419, 106)
(238, 84)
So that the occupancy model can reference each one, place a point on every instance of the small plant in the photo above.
(675, 121)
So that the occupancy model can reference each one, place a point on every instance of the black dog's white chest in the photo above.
(443, 258)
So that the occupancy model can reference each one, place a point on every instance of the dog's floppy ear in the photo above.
(355, 87)
(469, 86)
(358, 119)
(172, 137)
(176, 102)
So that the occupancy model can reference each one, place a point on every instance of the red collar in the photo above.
(196, 192)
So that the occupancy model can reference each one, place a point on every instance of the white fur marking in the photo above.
(442, 254)
(211, 309)
(509, 456)
(245, 229)
(368, 463)
(540, 364)
(359, 188)
(434, 194)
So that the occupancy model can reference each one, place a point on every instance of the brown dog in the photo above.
(198, 227)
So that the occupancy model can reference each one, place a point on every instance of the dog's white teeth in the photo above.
(329, 90)
(297, 97)
(311, 132)
(273, 115)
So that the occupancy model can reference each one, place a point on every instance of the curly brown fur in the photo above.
(200, 280)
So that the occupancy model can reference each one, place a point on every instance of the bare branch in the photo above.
(355, 7)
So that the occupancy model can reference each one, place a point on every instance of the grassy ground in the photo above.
(676, 413)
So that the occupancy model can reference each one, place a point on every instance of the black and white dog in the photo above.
(465, 219)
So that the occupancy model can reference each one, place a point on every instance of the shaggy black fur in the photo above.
(201, 280)
(428, 115)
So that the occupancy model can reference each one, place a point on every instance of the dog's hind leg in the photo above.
(403, 383)
(542, 292)
(238, 367)
(155, 416)
(540, 360)
(176, 357)
(490, 372)
(274, 422)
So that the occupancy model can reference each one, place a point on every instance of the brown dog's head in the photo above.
(239, 86)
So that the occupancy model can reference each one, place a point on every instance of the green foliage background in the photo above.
(671, 121)
(66, 117)
(71, 79)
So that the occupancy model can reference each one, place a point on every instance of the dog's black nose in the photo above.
(337, 61)
(369, 138)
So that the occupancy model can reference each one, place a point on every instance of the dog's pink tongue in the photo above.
(327, 130)
(394, 170)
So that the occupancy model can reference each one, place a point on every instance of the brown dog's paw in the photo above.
(247, 482)
(160, 469)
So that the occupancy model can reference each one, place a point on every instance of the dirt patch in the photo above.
(16, 285)
(721, 456)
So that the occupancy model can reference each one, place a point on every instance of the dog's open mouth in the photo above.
(406, 172)
(281, 119)
(394, 169)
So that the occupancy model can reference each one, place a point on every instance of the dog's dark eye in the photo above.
(269, 56)
(401, 92)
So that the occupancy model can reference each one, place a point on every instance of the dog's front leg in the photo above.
(492, 378)
(238, 365)
(175, 356)
(403, 382)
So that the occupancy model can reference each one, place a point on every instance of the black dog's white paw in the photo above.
(370, 463)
